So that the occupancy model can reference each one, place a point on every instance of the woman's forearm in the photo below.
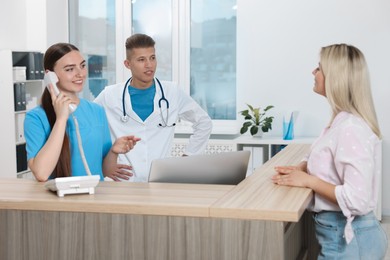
(43, 164)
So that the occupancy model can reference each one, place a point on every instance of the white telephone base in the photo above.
(73, 185)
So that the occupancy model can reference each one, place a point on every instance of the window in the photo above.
(92, 30)
(154, 18)
(211, 29)
(195, 46)
(213, 57)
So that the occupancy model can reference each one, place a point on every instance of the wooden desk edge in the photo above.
(233, 203)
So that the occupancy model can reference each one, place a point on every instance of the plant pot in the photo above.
(259, 134)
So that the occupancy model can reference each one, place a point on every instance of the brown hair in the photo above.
(138, 41)
(52, 55)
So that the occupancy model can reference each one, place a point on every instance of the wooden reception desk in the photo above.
(253, 220)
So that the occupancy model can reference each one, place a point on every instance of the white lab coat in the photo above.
(156, 141)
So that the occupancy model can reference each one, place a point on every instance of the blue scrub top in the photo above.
(94, 131)
(142, 100)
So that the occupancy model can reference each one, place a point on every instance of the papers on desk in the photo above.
(73, 185)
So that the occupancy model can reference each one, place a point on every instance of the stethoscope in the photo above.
(125, 117)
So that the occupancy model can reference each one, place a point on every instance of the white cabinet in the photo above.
(32, 92)
(263, 148)
(258, 155)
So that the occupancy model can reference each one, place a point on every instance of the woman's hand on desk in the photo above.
(294, 176)
(291, 176)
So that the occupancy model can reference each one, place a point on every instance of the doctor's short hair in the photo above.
(139, 40)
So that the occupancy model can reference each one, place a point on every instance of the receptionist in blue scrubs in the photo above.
(67, 135)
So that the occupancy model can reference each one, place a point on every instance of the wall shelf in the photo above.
(14, 109)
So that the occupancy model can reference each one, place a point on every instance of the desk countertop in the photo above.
(254, 198)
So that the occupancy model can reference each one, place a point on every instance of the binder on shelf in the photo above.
(38, 61)
(257, 157)
(19, 128)
(31, 65)
(20, 96)
(250, 163)
(21, 158)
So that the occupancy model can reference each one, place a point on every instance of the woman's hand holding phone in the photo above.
(51, 80)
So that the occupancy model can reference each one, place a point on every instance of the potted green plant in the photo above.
(256, 120)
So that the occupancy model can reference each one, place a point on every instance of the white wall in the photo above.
(57, 25)
(278, 46)
(33, 24)
(13, 28)
(36, 24)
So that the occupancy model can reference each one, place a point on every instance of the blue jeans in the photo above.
(369, 241)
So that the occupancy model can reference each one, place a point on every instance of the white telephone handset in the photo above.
(51, 77)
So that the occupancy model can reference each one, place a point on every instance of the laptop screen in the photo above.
(223, 168)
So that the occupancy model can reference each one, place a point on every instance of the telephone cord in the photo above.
(80, 144)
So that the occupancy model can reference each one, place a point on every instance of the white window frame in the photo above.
(122, 31)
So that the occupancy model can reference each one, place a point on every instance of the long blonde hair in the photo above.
(347, 83)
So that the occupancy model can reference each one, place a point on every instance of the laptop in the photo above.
(222, 168)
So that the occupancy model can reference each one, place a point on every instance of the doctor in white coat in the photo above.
(149, 109)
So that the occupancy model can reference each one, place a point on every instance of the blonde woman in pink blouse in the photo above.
(343, 167)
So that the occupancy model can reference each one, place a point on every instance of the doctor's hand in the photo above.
(121, 172)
